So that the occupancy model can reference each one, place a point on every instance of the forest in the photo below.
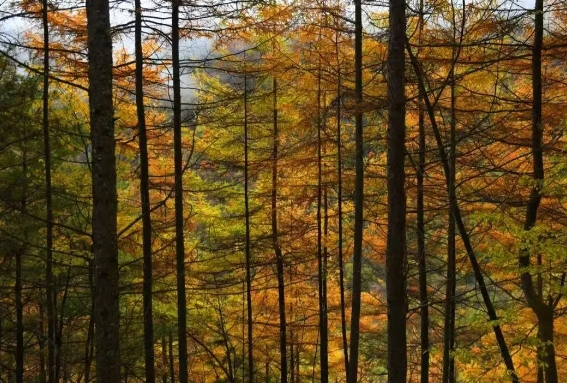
(283, 191)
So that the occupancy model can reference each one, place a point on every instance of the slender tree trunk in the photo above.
(275, 237)
(340, 225)
(149, 357)
(396, 242)
(179, 227)
(421, 252)
(352, 374)
(422, 257)
(491, 311)
(59, 325)
(324, 354)
(48, 202)
(248, 245)
(449, 328)
(105, 241)
(340, 210)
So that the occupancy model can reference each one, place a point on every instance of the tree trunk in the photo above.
(179, 227)
(547, 348)
(248, 250)
(275, 238)
(421, 252)
(20, 252)
(422, 257)
(322, 281)
(352, 374)
(104, 215)
(396, 240)
(149, 357)
(49, 296)
(449, 327)
(340, 213)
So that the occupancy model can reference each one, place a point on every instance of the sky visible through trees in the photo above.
(283, 191)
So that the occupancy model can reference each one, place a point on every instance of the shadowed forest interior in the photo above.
(283, 191)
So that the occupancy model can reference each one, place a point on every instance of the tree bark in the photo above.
(450, 304)
(340, 212)
(248, 251)
(275, 237)
(149, 357)
(49, 295)
(104, 215)
(421, 251)
(179, 226)
(352, 374)
(322, 280)
(396, 239)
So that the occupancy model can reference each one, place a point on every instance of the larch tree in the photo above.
(104, 215)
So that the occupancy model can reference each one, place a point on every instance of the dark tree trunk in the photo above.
(179, 227)
(149, 357)
(59, 325)
(352, 374)
(340, 213)
(396, 240)
(421, 252)
(449, 325)
(105, 242)
(275, 238)
(248, 250)
(322, 280)
(547, 356)
(49, 296)
(422, 257)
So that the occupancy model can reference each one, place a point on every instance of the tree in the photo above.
(104, 216)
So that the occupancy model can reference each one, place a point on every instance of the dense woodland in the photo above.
(283, 191)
